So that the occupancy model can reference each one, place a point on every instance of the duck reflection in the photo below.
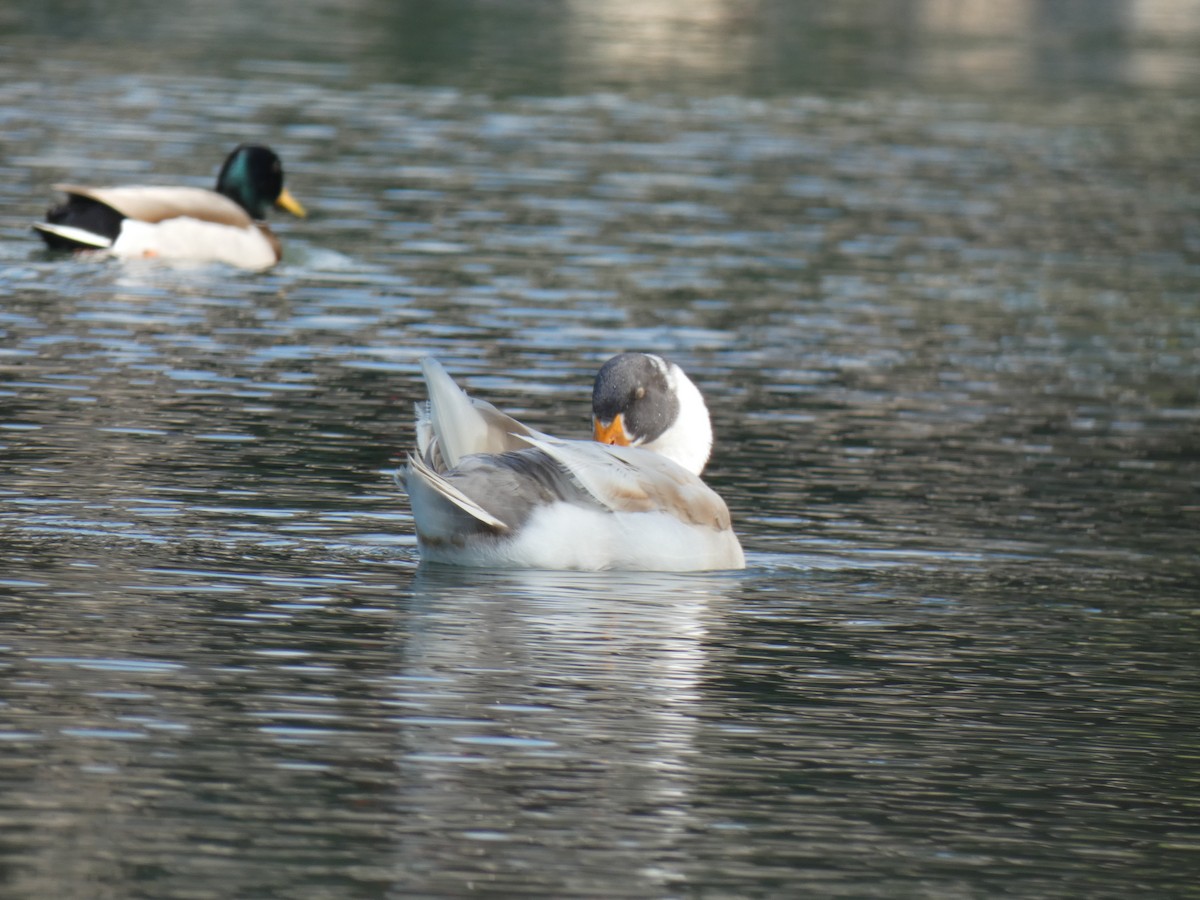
(554, 704)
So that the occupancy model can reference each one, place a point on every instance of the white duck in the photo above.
(180, 223)
(489, 491)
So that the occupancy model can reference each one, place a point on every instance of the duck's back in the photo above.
(157, 204)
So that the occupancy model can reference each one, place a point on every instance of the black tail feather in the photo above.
(83, 213)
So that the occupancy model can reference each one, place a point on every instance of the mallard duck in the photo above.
(182, 223)
(487, 490)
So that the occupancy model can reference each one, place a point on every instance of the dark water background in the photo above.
(935, 266)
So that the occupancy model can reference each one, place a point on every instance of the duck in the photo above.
(180, 223)
(489, 491)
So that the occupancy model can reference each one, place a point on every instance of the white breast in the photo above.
(195, 240)
(565, 536)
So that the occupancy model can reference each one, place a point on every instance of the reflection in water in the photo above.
(527, 698)
(706, 40)
(727, 46)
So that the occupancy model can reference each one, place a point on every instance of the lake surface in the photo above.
(935, 269)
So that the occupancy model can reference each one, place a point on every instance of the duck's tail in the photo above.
(453, 425)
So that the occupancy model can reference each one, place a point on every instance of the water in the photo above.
(937, 277)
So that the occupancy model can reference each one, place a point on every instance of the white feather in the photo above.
(458, 425)
(78, 235)
(689, 439)
(195, 240)
(563, 536)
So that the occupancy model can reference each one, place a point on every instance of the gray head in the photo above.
(633, 401)
(641, 400)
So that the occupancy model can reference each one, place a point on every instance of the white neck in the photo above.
(689, 439)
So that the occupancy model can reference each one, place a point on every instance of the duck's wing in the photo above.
(493, 494)
(629, 479)
(157, 204)
(452, 425)
(441, 491)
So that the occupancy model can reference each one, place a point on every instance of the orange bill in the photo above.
(611, 433)
(290, 203)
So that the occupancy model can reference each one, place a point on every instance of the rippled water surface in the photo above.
(939, 285)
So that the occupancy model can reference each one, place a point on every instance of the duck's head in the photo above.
(642, 400)
(252, 177)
